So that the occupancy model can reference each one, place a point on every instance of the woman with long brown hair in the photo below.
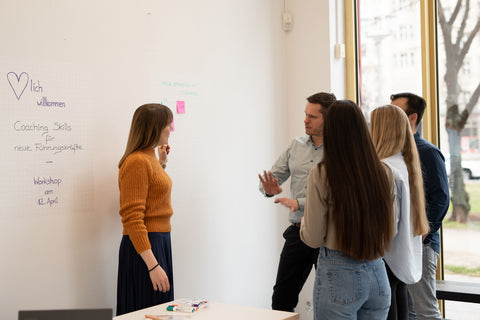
(349, 215)
(145, 273)
(395, 145)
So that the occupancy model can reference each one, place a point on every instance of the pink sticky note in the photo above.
(173, 125)
(180, 106)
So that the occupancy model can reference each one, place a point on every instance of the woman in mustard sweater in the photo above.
(145, 273)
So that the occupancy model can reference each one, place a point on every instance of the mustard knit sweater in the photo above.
(145, 192)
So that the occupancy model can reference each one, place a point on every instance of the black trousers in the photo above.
(296, 261)
(399, 306)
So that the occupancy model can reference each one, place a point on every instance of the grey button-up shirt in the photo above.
(296, 162)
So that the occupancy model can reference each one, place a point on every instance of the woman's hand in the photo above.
(159, 280)
(163, 152)
(157, 274)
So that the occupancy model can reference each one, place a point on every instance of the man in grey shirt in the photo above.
(296, 259)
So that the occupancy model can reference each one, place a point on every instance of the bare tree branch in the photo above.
(446, 27)
(461, 30)
(455, 12)
(473, 99)
(455, 120)
(467, 44)
(441, 13)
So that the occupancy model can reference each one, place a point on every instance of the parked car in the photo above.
(470, 166)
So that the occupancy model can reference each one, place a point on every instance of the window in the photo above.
(389, 47)
(458, 78)
(401, 46)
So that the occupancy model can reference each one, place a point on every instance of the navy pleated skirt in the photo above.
(134, 287)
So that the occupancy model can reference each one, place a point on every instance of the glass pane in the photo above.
(459, 76)
(390, 58)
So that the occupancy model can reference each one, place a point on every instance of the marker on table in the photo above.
(200, 304)
(183, 309)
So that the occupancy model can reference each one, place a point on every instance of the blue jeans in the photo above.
(346, 288)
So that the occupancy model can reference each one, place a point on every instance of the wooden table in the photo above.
(214, 311)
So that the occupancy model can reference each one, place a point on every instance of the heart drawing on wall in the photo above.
(18, 82)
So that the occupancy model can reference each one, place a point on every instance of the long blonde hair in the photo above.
(147, 124)
(391, 134)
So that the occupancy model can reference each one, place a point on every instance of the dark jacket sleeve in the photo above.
(437, 196)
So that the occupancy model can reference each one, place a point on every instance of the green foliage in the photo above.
(473, 190)
(474, 193)
(456, 225)
(472, 272)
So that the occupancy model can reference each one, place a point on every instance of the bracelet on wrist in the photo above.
(153, 268)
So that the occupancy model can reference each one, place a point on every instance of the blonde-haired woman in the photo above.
(395, 145)
(145, 273)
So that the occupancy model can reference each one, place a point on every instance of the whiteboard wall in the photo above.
(71, 75)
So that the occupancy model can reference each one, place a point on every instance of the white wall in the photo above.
(312, 67)
(105, 59)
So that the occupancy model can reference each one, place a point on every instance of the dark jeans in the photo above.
(296, 261)
(399, 306)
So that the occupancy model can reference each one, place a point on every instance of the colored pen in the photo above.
(183, 309)
(200, 304)
(152, 317)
